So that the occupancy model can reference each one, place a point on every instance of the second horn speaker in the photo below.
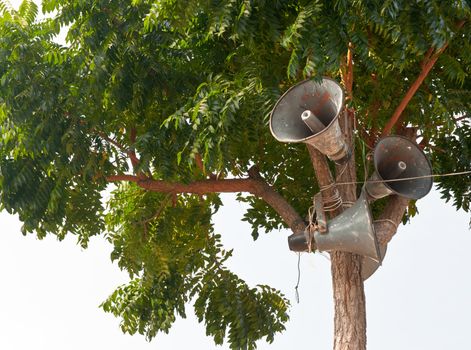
(396, 158)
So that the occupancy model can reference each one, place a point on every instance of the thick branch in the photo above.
(390, 218)
(426, 67)
(427, 64)
(347, 172)
(324, 177)
(257, 187)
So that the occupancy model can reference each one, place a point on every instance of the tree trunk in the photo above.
(349, 301)
(348, 292)
(347, 283)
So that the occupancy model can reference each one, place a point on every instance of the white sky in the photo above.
(419, 299)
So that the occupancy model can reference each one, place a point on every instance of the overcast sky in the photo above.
(419, 299)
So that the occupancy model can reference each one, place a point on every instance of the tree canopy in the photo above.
(169, 101)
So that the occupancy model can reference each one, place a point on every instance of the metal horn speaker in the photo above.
(396, 157)
(369, 266)
(308, 112)
(352, 231)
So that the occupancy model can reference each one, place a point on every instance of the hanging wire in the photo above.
(335, 201)
(405, 178)
(299, 278)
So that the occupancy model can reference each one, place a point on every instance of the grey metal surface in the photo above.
(389, 154)
(352, 231)
(312, 122)
(325, 101)
(369, 266)
(297, 242)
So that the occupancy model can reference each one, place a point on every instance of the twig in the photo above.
(130, 153)
(157, 214)
(346, 71)
(349, 85)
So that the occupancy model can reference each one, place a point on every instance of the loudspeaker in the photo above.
(308, 112)
(396, 157)
(298, 242)
(352, 231)
(369, 266)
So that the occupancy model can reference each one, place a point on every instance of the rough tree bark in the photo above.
(347, 284)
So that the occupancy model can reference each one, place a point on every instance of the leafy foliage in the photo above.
(186, 87)
(178, 257)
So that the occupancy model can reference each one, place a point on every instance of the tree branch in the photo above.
(457, 119)
(347, 282)
(324, 178)
(427, 64)
(349, 85)
(110, 140)
(347, 72)
(390, 218)
(256, 186)
(426, 67)
(131, 154)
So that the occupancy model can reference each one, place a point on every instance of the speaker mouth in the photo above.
(324, 99)
(396, 157)
(369, 266)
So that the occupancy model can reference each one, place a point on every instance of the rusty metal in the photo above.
(396, 157)
(321, 104)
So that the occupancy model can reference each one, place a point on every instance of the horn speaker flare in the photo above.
(395, 158)
(309, 112)
(352, 231)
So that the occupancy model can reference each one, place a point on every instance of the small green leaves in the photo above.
(181, 91)
(180, 259)
(230, 308)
